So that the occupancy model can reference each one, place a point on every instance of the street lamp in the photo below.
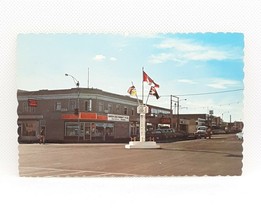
(77, 83)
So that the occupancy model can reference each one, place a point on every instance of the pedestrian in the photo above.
(42, 137)
(209, 132)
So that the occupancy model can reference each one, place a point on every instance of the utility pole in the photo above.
(171, 112)
(77, 83)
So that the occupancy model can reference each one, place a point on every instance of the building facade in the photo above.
(81, 115)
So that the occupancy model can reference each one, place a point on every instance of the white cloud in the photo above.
(187, 81)
(163, 57)
(113, 59)
(181, 45)
(183, 50)
(99, 57)
(223, 83)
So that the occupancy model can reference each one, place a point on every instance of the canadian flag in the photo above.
(154, 92)
(147, 79)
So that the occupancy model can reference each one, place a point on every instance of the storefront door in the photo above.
(88, 134)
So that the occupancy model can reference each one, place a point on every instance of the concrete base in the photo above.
(142, 145)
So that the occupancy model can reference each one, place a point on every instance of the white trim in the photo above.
(74, 96)
(30, 117)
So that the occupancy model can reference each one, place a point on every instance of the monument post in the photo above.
(142, 143)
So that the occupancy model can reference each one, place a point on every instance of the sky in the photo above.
(205, 70)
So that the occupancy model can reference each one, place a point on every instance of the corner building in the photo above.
(101, 116)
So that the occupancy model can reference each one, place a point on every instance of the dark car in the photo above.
(155, 135)
(168, 133)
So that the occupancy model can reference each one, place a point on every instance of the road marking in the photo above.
(70, 172)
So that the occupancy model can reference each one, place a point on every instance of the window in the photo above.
(125, 110)
(132, 111)
(72, 105)
(58, 106)
(101, 106)
(29, 128)
(88, 105)
(102, 130)
(110, 108)
(118, 109)
(71, 129)
(27, 108)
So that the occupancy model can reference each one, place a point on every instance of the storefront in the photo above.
(29, 127)
(89, 131)
(95, 128)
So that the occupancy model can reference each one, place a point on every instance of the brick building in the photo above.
(101, 116)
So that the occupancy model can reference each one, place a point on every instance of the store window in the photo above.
(29, 128)
(71, 129)
(102, 131)
(133, 129)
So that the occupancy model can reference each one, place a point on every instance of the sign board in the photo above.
(32, 103)
(165, 120)
(142, 109)
(117, 117)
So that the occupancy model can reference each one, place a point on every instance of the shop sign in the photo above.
(32, 103)
(165, 120)
(117, 117)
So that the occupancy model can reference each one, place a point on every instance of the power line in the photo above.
(205, 93)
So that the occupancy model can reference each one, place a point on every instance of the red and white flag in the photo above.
(154, 92)
(147, 79)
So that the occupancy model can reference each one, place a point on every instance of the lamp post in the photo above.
(77, 83)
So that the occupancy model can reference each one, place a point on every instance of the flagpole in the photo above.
(142, 86)
(136, 94)
(147, 97)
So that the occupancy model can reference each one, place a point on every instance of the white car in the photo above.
(239, 135)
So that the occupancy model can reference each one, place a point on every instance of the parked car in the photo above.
(181, 135)
(218, 131)
(168, 133)
(156, 135)
(201, 132)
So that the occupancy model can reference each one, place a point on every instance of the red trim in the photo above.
(84, 115)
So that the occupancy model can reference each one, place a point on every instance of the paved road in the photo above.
(221, 155)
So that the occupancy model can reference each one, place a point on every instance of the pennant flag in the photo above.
(132, 91)
(147, 79)
(154, 92)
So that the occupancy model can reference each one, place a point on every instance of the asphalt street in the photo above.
(221, 155)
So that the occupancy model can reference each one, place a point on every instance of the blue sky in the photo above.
(182, 64)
